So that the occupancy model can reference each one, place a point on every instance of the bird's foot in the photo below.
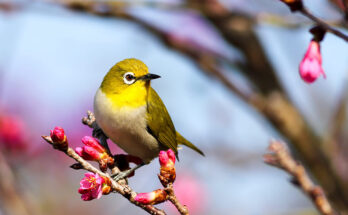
(126, 173)
(98, 132)
(122, 175)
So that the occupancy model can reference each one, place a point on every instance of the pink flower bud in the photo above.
(167, 158)
(310, 66)
(58, 139)
(92, 186)
(57, 135)
(95, 152)
(79, 151)
(92, 142)
(92, 149)
(167, 172)
(154, 197)
(82, 152)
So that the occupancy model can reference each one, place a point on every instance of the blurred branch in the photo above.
(345, 6)
(336, 141)
(323, 24)
(238, 29)
(280, 157)
(341, 5)
(290, 22)
(340, 115)
(11, 200)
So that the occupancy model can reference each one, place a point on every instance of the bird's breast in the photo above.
(125, 126)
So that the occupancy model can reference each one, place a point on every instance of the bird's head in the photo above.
(129, 75)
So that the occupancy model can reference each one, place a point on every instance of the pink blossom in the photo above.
(58, 135)
(310, 66)
(154, 197)
(12, 132)
(91, 186)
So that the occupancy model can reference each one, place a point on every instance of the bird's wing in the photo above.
(159, 123)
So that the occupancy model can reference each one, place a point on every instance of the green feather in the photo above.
(160, 125)
(182, 141)
(159, 122)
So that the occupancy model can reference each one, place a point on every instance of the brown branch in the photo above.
(12, 201)
(323, 24)
(124, 190)
(173, 199)
(336, 141)
(291, 22)
(237, 28)
(281, 158)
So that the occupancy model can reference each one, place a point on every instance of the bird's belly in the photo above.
(126, 127)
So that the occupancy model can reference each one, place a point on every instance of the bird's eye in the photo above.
(129, 78)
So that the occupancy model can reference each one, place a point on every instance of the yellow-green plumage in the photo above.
(132, 114)
(161, 124)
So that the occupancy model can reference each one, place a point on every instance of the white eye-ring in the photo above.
(129, 78)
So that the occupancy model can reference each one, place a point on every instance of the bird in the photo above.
(131, 114)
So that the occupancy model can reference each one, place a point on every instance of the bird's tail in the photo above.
(182, 141)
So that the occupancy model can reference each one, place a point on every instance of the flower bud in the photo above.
(92, 186)
(59, 140)
(154, 197)
(310, 66)
(57, 134)
(167, 172)
(167, 158)
(92, 142)
(95, 152)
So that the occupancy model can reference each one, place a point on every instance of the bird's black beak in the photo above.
(148, 77)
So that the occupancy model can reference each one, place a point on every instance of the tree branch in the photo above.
(280, 157)
(11, 200)
(323, 24)
(173, 199)
(124, 190)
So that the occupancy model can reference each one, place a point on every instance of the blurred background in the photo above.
(214, 57)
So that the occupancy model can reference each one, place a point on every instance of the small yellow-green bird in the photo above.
(132, 114)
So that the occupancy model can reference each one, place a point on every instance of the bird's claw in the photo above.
(97, 132)
(122, 175)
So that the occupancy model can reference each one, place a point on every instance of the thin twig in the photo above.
(124, 190)
(323, 24)
(281, 158)
(13, 201)
(173, 199)
(345, 7)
